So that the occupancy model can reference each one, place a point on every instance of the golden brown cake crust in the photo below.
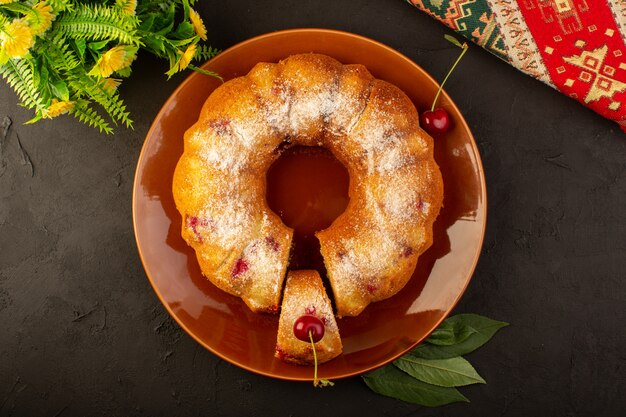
(371, 126)
(305, 295)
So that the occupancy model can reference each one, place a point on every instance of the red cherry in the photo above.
(272, 243)
(240, 267)
(308, 323)
(435, 122)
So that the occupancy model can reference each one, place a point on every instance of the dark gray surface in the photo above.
(84, 334)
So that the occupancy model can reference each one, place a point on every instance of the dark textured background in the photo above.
(82, 332)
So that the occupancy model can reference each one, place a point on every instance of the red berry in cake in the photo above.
(221, 126)
(193, 222)
(240, 267)
(272, 243)
(435, 122)
(308, 324)
(280, 353)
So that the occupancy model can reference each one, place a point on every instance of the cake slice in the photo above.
(305, 302)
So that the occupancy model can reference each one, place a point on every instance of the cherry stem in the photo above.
(465, 48)
(317, 382)
(314, 358)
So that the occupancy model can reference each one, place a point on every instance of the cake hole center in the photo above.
(308, 188)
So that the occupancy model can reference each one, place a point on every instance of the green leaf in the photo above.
(185, 10)
(83, 112)
(80, 45)
(204, 53)
(183, 42)
(17, 7)
(35, 119)
(98, 22)
(183, 31)
(453, 372)
(450, 333)
(164, 22)
(18, 74)
(60, 5)
(124, 72)
(154, 43)
(147, 23)
(173, 70)
(4, 58)
(59, 89)
(205, 72)
(96, 46)
(41, 74)
(453, 40)
(392, 382)
(485, 329)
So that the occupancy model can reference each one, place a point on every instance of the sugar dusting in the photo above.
(311, 109)
(392, 158)
(399, 200)
(366, 130)
(370, 260)
(265, 261)
(223, 158)
(232, 222)
(346, 112)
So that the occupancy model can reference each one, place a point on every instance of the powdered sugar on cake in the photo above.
(311, 108)
(392, 158)
(264, 260)
(309, 100)
(232, 222)
(399, 200)
(223, 158)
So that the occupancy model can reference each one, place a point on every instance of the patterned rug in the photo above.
(575, 46)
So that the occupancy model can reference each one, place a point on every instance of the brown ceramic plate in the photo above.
(385, 330)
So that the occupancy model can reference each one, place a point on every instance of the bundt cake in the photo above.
(371, 126)
(305, 297)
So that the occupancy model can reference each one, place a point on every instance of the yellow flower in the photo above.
(16, 38)
(127, 6)
(110, 84)
(197, 23)
(115, 59)
(7, 1)
(57, 108)
(41, 19)
(187, 56)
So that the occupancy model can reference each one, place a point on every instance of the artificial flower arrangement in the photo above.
(66, 56)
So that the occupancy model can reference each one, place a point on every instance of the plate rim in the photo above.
(358, 38)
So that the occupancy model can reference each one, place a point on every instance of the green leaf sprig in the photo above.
(69, 56)
(429, 374)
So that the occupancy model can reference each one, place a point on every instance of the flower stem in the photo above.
(465, 48)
